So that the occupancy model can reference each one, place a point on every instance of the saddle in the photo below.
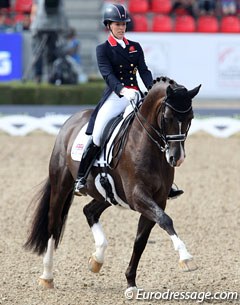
(115, 129)
(118, 140)
(110, 158)
(113, 142)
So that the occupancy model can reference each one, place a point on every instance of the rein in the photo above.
(161, 135)
(122, 136)
(138, 115)
(120, 143)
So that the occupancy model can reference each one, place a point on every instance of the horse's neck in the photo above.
(145, 127)
(151, 107)
(144, 146)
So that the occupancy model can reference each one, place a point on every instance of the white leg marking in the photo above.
(100, 242)
(48, 261)
(181, 248)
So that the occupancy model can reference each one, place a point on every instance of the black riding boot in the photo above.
(174, 192)
(89, 156)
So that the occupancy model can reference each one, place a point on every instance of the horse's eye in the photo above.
(167, 120)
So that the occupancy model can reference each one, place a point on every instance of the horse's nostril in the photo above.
(172, 161)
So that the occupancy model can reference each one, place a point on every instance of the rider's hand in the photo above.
(128, 93)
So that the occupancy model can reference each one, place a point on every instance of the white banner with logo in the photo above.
(212, 60)
(21, 125)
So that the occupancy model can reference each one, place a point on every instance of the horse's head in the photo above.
(174, 121)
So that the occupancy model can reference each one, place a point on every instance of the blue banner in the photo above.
(10, 56)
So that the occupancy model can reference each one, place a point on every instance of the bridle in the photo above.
(165, 138)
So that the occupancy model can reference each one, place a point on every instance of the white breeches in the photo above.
(111, 108)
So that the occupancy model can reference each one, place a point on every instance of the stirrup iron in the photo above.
(79, 187)
(174, 192)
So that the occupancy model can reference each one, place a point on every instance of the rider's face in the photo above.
(118, 29)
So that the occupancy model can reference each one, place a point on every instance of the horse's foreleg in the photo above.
(186, 262)
(144, 229)
(151, 210)
(46, 279)
(93, 212)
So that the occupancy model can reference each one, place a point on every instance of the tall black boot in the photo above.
(89, 156)
(174, 192)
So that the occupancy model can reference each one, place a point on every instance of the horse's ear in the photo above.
(169, 90)
(194, 91)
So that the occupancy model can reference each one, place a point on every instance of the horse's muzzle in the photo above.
(174, 159)
(175, 163)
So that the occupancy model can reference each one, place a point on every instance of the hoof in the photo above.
(187, 265)
(48, 284)
(93, 265)
(131, 293)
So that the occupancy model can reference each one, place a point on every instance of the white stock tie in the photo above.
(122, 43)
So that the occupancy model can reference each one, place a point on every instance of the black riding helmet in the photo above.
(116, 13)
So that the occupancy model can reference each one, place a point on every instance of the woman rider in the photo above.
(118, 60)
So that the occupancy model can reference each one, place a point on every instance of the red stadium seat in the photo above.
(185, 23)
(161, 6)
(138, 6)
(140, 23)
(6, 16)
(18, 18)
(207, 24)
(22, 21)
(230, 24)
(162, 23)
(23, 6)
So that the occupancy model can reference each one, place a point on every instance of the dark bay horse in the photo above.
(143, 178)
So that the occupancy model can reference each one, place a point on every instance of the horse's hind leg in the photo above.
(93, 211)
(60, 202)
(46, 279)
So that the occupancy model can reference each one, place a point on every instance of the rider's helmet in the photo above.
(115, 12)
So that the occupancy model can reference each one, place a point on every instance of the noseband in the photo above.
(180, 137)
(166, 138)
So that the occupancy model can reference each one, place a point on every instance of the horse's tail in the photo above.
(38, 236)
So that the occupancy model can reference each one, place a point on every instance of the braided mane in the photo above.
(158, 89)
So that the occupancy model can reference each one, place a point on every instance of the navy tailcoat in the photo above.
(118, 67)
